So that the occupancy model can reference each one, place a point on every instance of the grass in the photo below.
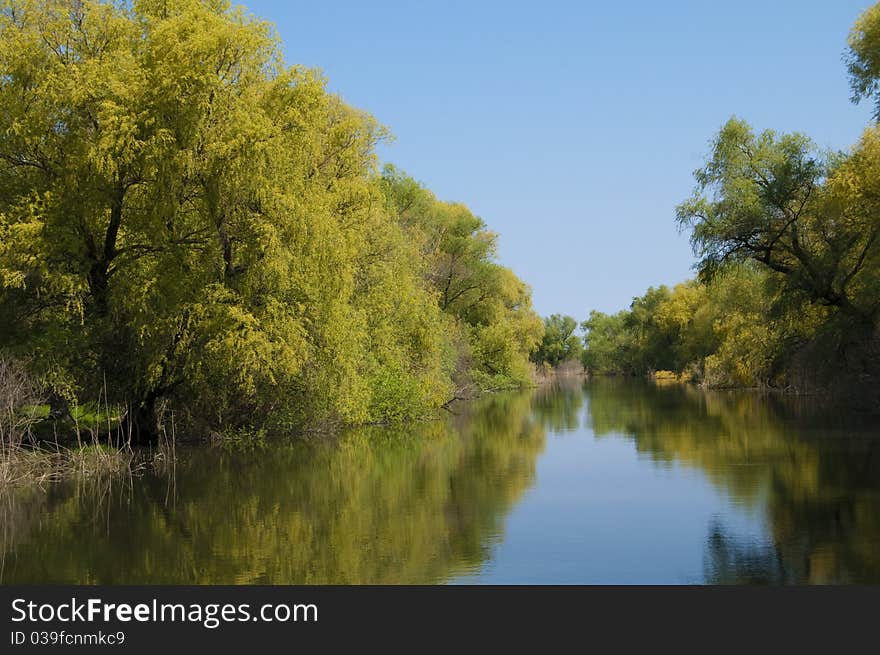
(102, 453)
(21, 465)
(101, 449)
(30, 452)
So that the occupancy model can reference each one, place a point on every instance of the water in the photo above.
(584, 482)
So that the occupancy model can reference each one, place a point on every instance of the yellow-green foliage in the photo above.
(559, 344)
(738, 330)
(764, 456)
(788, 240)
(185, 218)
(863, 57)
(485, 301)
(396, 505)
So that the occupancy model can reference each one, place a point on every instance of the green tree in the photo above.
(863, 58)
(185, 221)
(161, 161)
(761, 198)
(560, 343)
(607, 344)
(490, 306)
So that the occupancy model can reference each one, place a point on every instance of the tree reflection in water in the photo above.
(428, 502)
(813, 470)
(409, 504)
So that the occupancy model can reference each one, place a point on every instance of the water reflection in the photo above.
(379, 505)
(812, 470)
(625, 465)
(558, 406)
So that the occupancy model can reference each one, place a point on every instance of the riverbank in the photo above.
(22, 465)
(853, 393)
(92, 442)
(544, 374)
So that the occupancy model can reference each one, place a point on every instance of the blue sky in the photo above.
(573, 128)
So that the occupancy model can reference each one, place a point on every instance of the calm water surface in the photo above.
(584, 482)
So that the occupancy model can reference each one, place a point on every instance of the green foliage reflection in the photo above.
(413, 504)
(812, 471)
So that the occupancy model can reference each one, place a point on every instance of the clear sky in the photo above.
(573, 128)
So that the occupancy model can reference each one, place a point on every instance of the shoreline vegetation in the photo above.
(197, 238)
(190, 225)
(787, 239)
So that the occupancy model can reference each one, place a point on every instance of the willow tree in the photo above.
(805, 215)
(560, 343)
(490, 306)
(184, 216)
(863, 58)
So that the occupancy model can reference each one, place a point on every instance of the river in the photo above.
(602, 481)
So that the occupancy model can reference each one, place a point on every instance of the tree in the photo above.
(863, 58)
(687, 319)
(763, 198)
(490, 306)
(172, 195)
(607, 344)
(560, 343)
(185, 221)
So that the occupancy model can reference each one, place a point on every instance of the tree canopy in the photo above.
(786, 236)
(806, 215)
(863, 58)
(560, 343)
(185, 221)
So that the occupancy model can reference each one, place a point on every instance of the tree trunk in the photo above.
(143, 422)
(59, 408)
(99, 272)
